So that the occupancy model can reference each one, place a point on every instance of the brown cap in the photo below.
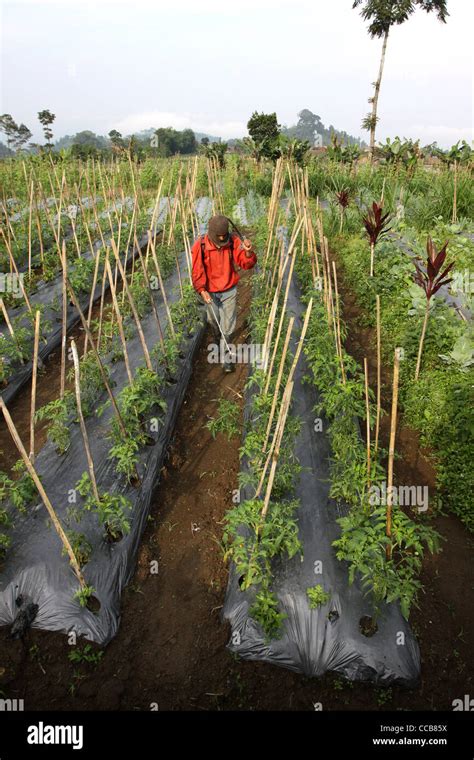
(218, 225)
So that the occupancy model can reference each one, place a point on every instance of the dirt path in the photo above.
(170, 649)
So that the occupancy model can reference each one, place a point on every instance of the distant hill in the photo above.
(146, 133)
(310, 127)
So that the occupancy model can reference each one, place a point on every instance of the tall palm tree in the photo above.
(382, 15)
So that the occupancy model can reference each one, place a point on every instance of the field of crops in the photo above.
(313, 510)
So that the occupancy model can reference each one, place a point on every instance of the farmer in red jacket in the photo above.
(214, 259)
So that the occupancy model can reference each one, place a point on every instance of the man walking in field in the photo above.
(215, 257)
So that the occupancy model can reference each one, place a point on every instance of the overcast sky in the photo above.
(208, 64)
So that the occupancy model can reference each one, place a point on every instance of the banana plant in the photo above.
(376, 225)
(431, 280)
(461, 153)
(345, 154)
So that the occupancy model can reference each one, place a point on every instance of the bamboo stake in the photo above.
(367, 414)
(391, 450)
(48, 215)
(101, 308)
(119, 318)
(276, 452)
(85, 438)
(133, 308)
(329, 298)
(153, 304)
(301, 340)
(103, 373)
(7, 218)
(276, 267)
(33, 386)
(59, 232)
(338, 323)
(86, 225)
(280, 326)
(288, 382)
(29, 227)
(42, 492)
(278, 382)
(40, 236)
(379, 382)
(273, 311)
(64, 322)
(91, 297)
(160, 280)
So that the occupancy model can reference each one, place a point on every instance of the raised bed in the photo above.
(35, 572)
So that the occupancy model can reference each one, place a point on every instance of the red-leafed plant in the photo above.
(431, 281)
(376, 225)
(343, 198)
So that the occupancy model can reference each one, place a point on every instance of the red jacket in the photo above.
(215, 270)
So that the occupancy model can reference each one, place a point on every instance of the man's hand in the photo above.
(247, 246)
(206, 296)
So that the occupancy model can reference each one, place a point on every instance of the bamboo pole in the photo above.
(160, 280)
(40, 236)
(30, 212)
(48, 215)
(276, 268)
(271, 321)
(367, 414)
(133, 307)
(85, 438)
(391, 450)
(59, 208)
(43, 494)
(85, 224)
(33, 386)
(64, 322)
(91, 297)
(278, 382)
(282, 319)
(101, 308)
(10, 229)
(276, 451)
(301, 340)
(338, 324)
(288, 382)
(119, 318)
(103, 373)
(379, 382)
(153, 304)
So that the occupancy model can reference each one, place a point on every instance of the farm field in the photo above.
(236, 377)
(198, 536)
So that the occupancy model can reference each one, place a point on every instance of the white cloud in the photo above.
(198, 122)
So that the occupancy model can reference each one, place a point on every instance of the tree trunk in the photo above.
(376, 97)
